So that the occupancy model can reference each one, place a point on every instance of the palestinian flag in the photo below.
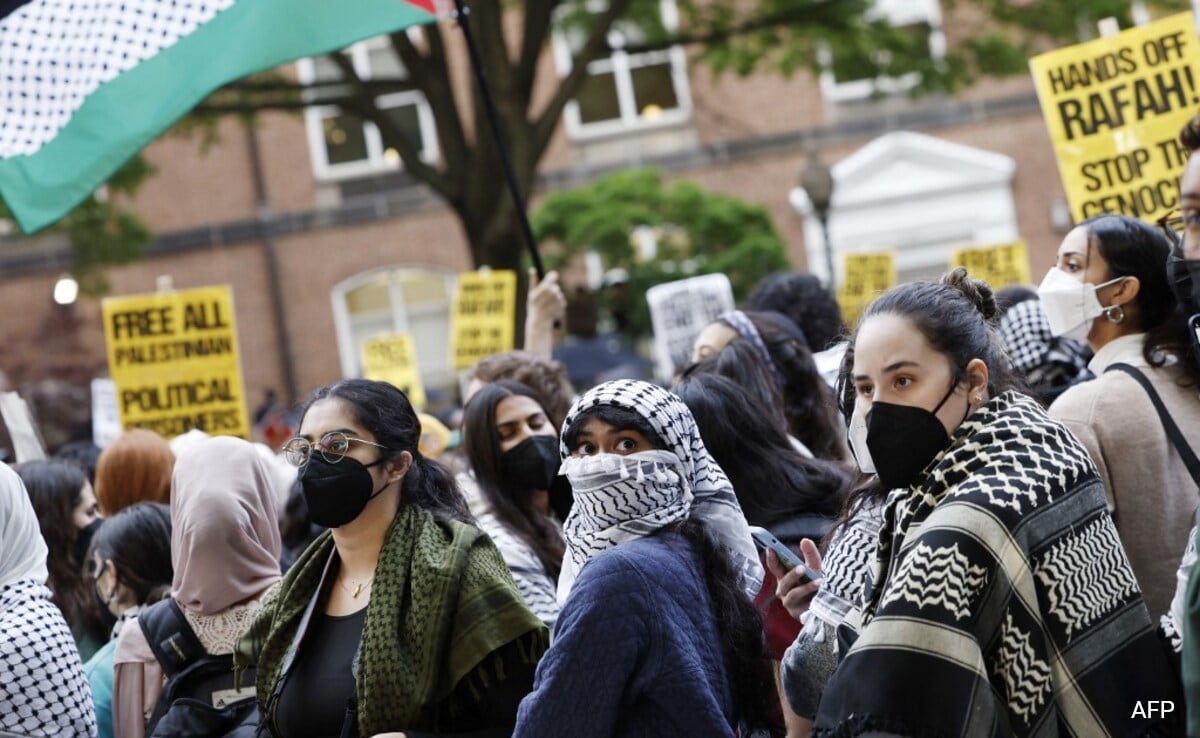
(86, 84)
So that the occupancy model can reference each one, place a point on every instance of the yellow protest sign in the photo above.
(999, 265)
(483, 320)
(392, 359)
(867, 275)
(174, 359)
(1114, 107)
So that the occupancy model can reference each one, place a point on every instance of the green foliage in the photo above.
(101, 232)
(697, 232)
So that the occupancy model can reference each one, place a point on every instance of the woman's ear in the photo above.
(1126, 291)
(400, 467)
(977, 381)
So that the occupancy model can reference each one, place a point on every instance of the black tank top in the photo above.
(313, 701)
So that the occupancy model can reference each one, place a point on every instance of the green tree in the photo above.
(100, 231)
(694, 232)
(995, 38)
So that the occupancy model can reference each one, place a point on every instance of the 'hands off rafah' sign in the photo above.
(1114, 107)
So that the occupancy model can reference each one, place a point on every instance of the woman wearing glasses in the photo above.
(1109, 286)
(403, 616)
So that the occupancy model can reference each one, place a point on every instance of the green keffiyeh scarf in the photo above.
(442, 600)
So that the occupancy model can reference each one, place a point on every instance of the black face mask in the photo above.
(337, 493)
(903, 440)
(532, 463)
(1184, 277)
(83, 539)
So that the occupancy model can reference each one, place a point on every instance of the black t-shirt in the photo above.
(313, 701)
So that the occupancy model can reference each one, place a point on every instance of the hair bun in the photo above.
(977, 292)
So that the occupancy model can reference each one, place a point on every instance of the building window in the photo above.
(397, 300)
(847, 74)
(342, 144)
(625, 91)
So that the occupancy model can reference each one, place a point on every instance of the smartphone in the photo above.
(764, 539)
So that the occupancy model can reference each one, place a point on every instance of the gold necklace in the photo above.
(358, 588)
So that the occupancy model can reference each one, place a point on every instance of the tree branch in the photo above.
(826, 18)
(539, 16)
(433, 79)
(595, 45)
(364, 105)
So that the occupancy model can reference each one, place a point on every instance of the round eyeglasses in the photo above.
(332, 447)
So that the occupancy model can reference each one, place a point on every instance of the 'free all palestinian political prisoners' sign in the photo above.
(483, 319)
(1114, 107)
(174, 358)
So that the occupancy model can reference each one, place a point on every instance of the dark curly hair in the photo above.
(805, 301)
(1189, 135)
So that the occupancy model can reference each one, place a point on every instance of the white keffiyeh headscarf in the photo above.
(630, 497)
(22, 550)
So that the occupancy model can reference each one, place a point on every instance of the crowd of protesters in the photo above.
(992, 496)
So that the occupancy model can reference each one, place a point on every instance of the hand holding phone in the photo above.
(765, 540)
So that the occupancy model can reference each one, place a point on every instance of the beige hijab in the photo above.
(224, 537)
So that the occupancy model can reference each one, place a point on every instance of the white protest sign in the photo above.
(678, 311)
(106, 419)
(27, 444)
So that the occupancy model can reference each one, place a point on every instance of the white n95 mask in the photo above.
(1070, 305)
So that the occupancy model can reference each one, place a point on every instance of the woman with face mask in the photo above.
(513, 452)
(657, 636)
(998, 570)
(225, 559)
(403, 616)
(68, 515)
(42, 688)
(1110, 285)
(129, 563)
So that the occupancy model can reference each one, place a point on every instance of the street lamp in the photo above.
(817, 181)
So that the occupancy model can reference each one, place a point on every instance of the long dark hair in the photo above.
(748, 667)
(739, 361)
(804, 300)
(808, 403)
(1134, 248)
(55, 489)
(512, 506)
(773, 481)
(958, 316)
(138, 541)
(386, 414)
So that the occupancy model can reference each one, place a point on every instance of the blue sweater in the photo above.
(635, 651)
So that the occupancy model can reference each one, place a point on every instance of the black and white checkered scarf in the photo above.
(632, 498)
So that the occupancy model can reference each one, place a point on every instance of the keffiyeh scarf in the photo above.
(625, 499)
(1003, 602)
(1045, 360)
(442, 600)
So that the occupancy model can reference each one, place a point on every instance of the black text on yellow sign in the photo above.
(867, 275)
(393, 359)
(1114, 107)
(174, 359)
(483, 321)
(999, 266)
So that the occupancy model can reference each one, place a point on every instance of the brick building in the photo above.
(361, 249)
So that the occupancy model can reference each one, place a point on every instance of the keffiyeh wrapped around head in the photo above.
(667, 479)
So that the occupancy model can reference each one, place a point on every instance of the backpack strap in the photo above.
(1181, 445)
(171, 639)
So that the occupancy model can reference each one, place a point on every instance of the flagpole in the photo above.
(461, 15)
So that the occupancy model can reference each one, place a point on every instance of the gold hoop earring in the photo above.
(1115, 314)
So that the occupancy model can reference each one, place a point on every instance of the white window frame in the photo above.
(897, 13)
(350, 351)
(621, 65)
(376, 162)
